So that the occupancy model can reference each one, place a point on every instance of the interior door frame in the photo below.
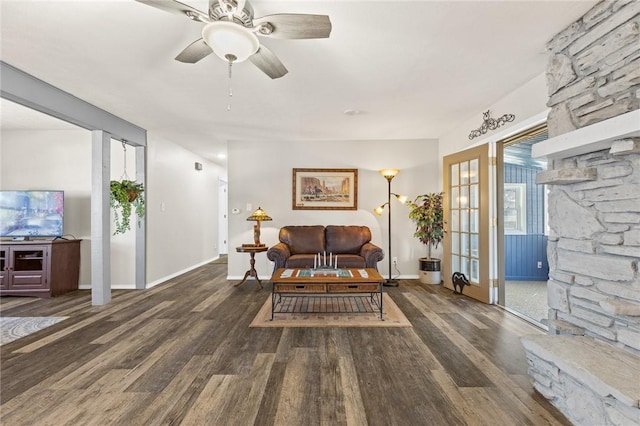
(483, 292)
(500, 261)
(500, 145)
(223, 218)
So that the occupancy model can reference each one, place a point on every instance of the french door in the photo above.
(467, 206)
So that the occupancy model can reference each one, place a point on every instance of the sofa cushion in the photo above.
(351, 261)
(300, 261)
(303, 239)
(346, 239)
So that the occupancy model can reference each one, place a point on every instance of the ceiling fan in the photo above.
(230, 32)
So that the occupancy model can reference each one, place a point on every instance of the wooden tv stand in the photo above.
(41, 268)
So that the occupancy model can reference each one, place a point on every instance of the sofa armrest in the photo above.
(372, 255)
(279, 255)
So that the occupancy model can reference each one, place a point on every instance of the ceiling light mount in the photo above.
(219, 11)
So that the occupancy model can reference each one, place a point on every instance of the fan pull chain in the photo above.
(230, 87)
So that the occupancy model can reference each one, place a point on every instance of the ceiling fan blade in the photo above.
(292, 26)
(177, 8)
(268, 62)
(194, 52)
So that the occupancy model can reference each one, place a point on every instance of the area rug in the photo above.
(367, 317)
(13, 328)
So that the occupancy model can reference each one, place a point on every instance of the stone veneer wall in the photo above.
(592, 372)
(594, 73)
(594, 249)
(594, 245)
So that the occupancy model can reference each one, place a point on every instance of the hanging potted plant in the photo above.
(126, 196)
(427, 213)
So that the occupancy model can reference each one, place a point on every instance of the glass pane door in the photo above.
(28, 260)
(466, 209)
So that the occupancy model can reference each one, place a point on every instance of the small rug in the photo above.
(13, 328)
(368, 316)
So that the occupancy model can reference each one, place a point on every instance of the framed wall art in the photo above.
(325, 189)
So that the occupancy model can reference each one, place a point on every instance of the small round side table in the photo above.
(252, 250)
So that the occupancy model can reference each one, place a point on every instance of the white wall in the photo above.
(186, 232)
(260, 174)
(180, 237)
(54, 160)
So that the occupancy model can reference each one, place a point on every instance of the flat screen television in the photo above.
(29, 214)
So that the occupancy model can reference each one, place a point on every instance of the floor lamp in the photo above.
(389, 174)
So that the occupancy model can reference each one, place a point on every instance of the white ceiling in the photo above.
(414, 69)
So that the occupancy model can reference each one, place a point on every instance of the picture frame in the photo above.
(515, 208)
(325, 189)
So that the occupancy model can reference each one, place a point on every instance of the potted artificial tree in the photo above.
(126, 196)
(427, 213)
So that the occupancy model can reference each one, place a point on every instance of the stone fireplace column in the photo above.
(593, 81)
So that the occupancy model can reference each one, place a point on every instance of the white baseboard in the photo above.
(113, 287)
(156, 282)
(239, 277)
(402, 277)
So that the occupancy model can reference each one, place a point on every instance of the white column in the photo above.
(100, 219)
(141, 232)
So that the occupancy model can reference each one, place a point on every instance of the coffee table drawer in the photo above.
(353, 288)
(300, 288)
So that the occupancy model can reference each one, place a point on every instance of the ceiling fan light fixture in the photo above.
(229, 39)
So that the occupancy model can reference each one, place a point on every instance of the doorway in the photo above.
(522, 236)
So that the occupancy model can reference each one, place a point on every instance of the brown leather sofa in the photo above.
(299, 244)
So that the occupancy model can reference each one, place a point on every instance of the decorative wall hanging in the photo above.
(325, 189)
(490, 123)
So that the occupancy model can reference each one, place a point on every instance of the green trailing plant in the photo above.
(126, 196)
(427, 213)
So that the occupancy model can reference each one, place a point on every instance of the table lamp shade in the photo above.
(258, 216)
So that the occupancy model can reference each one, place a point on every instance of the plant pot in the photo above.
(132, 195)
(429, 271)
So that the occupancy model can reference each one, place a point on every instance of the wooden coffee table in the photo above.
(350, 281)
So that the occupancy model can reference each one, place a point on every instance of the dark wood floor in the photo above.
(182, 353)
